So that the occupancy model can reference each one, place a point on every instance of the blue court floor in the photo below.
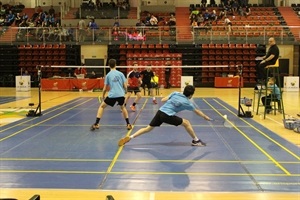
(57, 150)
(4, 99)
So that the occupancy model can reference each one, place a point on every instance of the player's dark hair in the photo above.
(112, 63)
(188, 90)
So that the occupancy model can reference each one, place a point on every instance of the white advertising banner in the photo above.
(23, 83)
(186, 80)
(291, 83)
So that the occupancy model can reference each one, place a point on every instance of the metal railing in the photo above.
(149, 34)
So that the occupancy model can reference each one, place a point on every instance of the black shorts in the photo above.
(154, 85)
(133, 89)
(149, 85)
(162, 117)
(112, 101)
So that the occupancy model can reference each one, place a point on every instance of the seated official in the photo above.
(154, 81)
(92, 75)
(80, 71)
(269, 59)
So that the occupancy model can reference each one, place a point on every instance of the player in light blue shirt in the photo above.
(175, 103)
(117, 84)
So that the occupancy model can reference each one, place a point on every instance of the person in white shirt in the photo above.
(228, 23)
(81, 30)
(153, 20)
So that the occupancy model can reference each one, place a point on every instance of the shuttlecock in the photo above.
(225, 116)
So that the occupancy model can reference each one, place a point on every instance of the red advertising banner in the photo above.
(230, 82)
(70, 84)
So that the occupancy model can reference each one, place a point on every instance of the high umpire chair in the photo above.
(274, 71)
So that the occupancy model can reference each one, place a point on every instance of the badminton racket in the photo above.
(100, 99)
(223, 121)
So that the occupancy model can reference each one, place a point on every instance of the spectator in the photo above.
(146, 81)
(241, 11)
(92, 28)
(51, 19)
(91, 5)
(147, 20)
(25, 17)
(115, 29)
(98, 4)
(172, 20)
(112, 3)
(140, 23)
(81, 30)
(153, 20)
(2, 20)
(64, 34)
(39, 9)
(234, 6)
(92, 25)
(51, 32)
(10, 18)
(193, 17)
(247, 11)
(275, 95)
(18, 19)
(222, 14)
(51, 11)
(228, 23)
(93, 75)
(213, 16)
(199, 19)
(26, 73)
(70, 33)
(80, 71)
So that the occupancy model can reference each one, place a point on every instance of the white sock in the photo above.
(196, 138)
(153, 98)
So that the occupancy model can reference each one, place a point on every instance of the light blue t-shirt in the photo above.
(275, 90)
(177, 102)
(115, 80)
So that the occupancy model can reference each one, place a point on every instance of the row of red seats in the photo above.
(229, 58)
(42, 52)
(231, 63)
(229, 46)
(42, 46)
(153, 55)
(229, 51)
(153, 62)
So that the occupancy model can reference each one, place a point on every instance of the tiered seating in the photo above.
(154, 55)
(229, 55)
(31, 56)
(264, 21)
(162, 29)
(154, 59)
(158, 59)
